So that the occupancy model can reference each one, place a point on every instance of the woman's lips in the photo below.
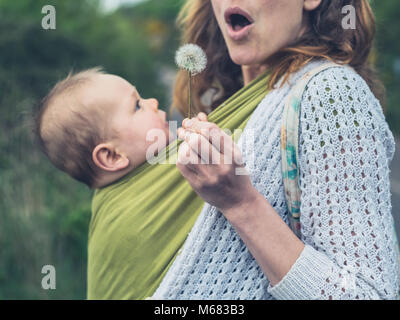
(238, 33)
(236, 10)
(241, 34)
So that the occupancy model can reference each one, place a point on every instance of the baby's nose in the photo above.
(153, 103)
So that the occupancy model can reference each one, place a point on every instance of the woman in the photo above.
(241, 245)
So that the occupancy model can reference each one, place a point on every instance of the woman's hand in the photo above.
(271, 242)
(209, 159)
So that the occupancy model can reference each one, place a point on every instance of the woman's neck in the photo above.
(252, 72)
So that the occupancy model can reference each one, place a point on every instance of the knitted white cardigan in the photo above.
(345, 151)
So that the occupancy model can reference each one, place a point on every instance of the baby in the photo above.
(94, 125)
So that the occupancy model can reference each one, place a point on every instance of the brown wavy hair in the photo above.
(325, 38)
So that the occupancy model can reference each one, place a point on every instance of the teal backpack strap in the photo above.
(289, 146)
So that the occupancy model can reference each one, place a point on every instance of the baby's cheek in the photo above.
(158, 136)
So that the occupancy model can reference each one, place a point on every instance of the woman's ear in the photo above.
(107, 158)
(310, 5)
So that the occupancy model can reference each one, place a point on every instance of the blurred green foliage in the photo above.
(388, 58)
(44, 214)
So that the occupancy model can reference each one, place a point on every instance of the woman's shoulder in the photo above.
(339, 88)
(332, 78)
(339, 79)
(329, 78)
(338, 98)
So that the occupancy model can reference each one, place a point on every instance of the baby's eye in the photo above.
(137, 105)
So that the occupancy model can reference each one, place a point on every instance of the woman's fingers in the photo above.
(216, 144)
(181, 132)
(187, 158)
(217, 137)
(202, 116)
(203, 148)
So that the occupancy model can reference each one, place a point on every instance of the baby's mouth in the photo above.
(163, 115)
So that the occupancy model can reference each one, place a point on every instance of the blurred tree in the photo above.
(388, 60)
(158, 21)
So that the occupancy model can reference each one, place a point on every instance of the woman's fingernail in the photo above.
(179, 133)
(188, 123)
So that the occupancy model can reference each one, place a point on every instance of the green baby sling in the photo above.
(139, 224)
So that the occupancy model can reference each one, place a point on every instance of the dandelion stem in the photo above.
(190, 94)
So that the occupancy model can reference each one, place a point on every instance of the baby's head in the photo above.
(94, 125)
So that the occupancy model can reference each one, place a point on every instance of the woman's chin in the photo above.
(241, 57)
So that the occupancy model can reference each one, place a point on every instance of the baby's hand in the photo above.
(201, 117)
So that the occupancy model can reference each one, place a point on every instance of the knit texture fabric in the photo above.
(345, 151)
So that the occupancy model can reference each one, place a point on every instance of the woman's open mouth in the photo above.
(239, 23)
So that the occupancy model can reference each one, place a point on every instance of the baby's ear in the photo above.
(108, 159)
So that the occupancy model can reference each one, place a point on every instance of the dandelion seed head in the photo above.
(191, 58)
